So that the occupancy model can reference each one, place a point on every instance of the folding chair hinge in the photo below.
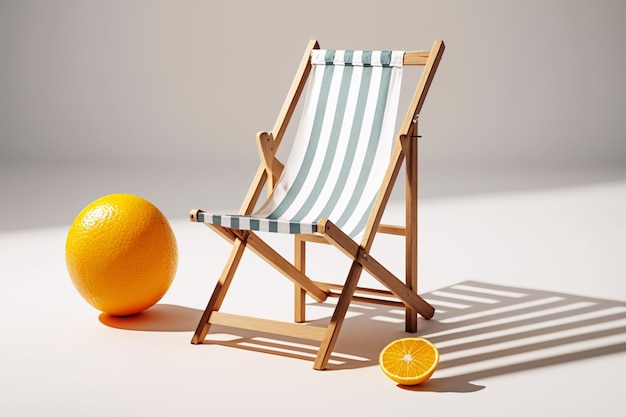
(362, 255)
(267, 150)
(414, 121)
(193, 215)
(240, 234)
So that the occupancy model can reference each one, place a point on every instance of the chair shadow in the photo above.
(481, 330)
(488, 330)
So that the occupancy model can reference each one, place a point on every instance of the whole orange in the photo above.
(121, 254)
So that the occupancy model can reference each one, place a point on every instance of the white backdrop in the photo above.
(525, 89)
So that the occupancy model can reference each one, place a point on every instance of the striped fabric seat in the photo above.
(341, 150)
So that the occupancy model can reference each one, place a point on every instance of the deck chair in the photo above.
(333, 189)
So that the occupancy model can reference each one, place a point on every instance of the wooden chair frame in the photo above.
(270, 169)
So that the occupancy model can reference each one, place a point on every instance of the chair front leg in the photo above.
(220, 290)
(299, 292)
(336, 321)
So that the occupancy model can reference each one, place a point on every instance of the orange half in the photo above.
(409, 361)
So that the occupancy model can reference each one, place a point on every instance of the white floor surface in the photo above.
(530, 289)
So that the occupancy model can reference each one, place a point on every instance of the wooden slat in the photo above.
(389, 229)
(363, 290)
(415, 57)
(371, 298)
(379, 301)
(392, 229)
(314, 238)
(268, 326)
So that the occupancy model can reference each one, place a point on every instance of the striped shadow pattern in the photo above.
(341, 150)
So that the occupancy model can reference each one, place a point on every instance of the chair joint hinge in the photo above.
(362, 255)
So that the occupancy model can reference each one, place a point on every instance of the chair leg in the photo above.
(410, 146)
(220, 291)
(332, 333)
(299, 293)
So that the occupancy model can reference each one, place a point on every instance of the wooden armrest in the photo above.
(267, 151)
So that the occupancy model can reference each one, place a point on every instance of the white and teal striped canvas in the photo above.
(341, 150)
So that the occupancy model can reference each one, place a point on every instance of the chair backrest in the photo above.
(344, 140)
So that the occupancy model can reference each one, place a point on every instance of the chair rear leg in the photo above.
(300, 304)
(410, 147)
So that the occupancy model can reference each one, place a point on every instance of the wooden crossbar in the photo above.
(388, 229)
(371, 294)
(416, 57)
(268, 326)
